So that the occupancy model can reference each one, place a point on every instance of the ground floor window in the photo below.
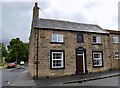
(97, 58)
(57, 59)
(116, 55)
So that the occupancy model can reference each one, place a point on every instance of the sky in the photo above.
(16, 16)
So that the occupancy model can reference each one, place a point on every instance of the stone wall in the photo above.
(32, 52)
(113, 48)
(70, 45)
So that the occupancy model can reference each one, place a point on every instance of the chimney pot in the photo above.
(36, 4)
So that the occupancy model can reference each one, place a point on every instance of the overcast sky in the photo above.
(16, 17)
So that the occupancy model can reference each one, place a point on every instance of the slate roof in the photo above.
(67, 25)
(113, 32)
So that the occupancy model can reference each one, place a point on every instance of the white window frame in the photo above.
(116, 39)
(57, 37)
(116, 54)
(98, 40)
(100, 59)
(62, 61)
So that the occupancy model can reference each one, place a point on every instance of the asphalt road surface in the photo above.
(9, 75)
(0, 77)
(113, 81)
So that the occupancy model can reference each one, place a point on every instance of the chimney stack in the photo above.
(35, 13)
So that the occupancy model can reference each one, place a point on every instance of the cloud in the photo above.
(84, 11)
(0, 22)
(17, 15)
(16, 22)
(119, 16)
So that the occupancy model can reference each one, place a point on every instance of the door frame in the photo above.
(84, 59)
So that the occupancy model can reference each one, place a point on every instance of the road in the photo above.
(20, 77)
(0, 77)
(9, 75)
(113, 81)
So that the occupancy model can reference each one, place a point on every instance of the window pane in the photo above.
(98, 62)
(57, 38)
(57, 55)
(97, 55)
(57, 59)
(97, 59)
(80, 38)
(57, 63)
(98, 39)
(116, 52)
(60, 38)
(116, 39)
(54, 56)
(54, 37)
(54, 64)
(94, 39)
(116, 55)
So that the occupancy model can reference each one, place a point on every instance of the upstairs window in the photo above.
(96, 40)
(57, 38)
(116, 53)
(116, 39)
(80, 38)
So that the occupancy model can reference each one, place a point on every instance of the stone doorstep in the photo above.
(90, 79)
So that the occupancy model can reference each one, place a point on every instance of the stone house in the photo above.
(59, 48)
(114, 48)
(0, 54)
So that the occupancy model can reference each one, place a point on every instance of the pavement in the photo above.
(24, 79)
(0, 76)
(76, 78)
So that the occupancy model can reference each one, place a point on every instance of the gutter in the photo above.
(37, 54)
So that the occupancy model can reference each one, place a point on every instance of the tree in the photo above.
(18, 51)
(4, 50)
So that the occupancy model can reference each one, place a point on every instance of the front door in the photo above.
(80, 62)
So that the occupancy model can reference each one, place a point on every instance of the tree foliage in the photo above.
(4, 50)
(18, 51)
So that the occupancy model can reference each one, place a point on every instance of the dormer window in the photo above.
(57, 38)
(96, 40)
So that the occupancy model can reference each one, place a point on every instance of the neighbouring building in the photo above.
(0, 52)
(59, 48)
(114, 48)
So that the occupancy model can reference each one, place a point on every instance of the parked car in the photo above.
(22, 62)
(11, 65)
